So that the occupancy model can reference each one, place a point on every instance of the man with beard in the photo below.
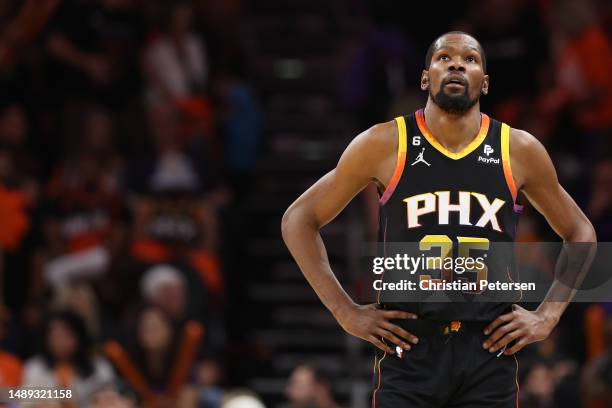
(447, 176)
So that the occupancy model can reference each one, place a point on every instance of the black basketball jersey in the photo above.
(442, 199)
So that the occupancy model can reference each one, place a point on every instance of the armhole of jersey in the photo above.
(505, 152)
(401, 160)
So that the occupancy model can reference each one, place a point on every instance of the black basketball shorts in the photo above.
(448, 368)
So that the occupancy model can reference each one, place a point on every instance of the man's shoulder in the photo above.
(380, 140)
(528, 156)
(372, 153)
(523, 142)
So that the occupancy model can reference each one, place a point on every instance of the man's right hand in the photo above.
(370, 323)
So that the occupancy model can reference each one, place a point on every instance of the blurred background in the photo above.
(149, 148)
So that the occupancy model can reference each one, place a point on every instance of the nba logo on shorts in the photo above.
(488, 149)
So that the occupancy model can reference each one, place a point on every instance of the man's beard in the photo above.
(455, 104)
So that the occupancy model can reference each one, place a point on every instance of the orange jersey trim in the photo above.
(505, 153)
(480, 137)
(401, 159)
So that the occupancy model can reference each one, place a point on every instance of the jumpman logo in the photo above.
(420, 159)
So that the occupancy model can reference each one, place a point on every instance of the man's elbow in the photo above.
(295, 221)
(291, 221)
(286, 223)
(586, 233)
(591, 234)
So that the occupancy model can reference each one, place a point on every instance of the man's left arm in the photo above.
(535, 175)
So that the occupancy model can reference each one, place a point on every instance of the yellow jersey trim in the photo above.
(473, 145)
(505, 154)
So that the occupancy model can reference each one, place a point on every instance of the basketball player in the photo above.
(447, 170)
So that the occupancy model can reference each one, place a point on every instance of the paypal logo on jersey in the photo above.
(488, 150)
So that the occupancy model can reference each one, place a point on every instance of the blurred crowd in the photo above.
(120, 123)
(130, 130)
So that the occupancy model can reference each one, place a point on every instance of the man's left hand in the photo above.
(522, 326)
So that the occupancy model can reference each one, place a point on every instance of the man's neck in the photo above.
(453, 131)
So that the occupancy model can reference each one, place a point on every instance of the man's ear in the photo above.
(485, 85)
(425, 80)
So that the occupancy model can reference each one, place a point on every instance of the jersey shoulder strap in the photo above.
(505, 154)
(402, 137)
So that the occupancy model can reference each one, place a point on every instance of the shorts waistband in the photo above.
(423, 327)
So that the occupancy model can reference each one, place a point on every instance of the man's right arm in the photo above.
(370, 157)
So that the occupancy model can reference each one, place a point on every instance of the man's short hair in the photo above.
(431, 50)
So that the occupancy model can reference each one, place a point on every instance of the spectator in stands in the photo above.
(208, 374)
(538, 388)
(79, 297)
(159, 359)
(549, 383)
(175, 62)
(175, 217)
(241, 122)
(156, 347)
(205, 391)
(65, 360)
(178, 290)
(163, 286)
(172, 165)
(85, 212)
(309, 387)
